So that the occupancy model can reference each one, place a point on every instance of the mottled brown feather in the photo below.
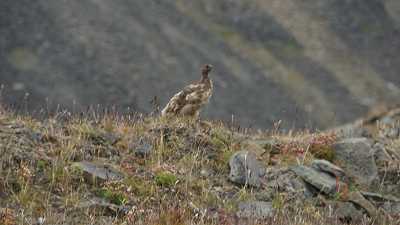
(190, 100)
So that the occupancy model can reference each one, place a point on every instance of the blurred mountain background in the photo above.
(313, 63)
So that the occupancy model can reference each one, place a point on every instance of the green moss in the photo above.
(244, 195)
(323, 152)
(221, 138)
(231, 205)
(337, 196)
(76, 174)
(26, 196)
(41, 165)
(278, 202)
(57, 174)
(165, 179)
(114, 197)
(353, 187)
(221, 161)
(139, 187)
(222, 141)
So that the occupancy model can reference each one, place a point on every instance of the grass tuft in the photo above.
(165, 179)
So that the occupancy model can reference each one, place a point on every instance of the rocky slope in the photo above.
(309, 63)
(116, 170)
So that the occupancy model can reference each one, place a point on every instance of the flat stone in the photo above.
(321, 181)
(100, 206)
(96, 172)
(393, 208)
(328, 167)
(285, 180)
(356, 158)
(358, 199)
(245, 169)
(255, 210)
(348, 213)
(376, 197)
(389, 203)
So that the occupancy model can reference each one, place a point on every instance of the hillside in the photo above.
(110, 169)
(313, 63)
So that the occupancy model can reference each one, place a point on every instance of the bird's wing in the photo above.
(194, 93)
(189, 95)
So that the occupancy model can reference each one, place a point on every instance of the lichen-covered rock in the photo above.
(379, 198)
(356, 158)
(393, 208)
(245, 169)
(358, 199)
(283, 180)
(98, 172)
(255, 210)
(143, 148)
(388, 203)
(348, 213)
(321, 181)
(328, 167)
(100, 206)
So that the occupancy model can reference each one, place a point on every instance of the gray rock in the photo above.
(143, 149)
(245, 169)
(255, 210)
(379, 198)
(381, 156)
(310, 191)
(358, 199)
(321, 181)
(389, 203)
(97, 172)
(392, 208)
(357, 160)
(100, 206)
(284, 180)
(348, 213)
(266, 196)
(328, 167)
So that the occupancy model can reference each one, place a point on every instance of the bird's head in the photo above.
(206, 69)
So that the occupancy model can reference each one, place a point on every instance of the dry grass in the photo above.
(38, 183)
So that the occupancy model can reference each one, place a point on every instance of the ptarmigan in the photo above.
(189, 101)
